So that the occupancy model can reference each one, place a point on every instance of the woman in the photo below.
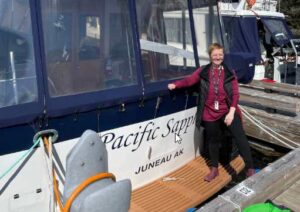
(217, 107)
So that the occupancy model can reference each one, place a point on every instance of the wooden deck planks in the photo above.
(280, 87)
(189, 190)
(290, 198)
(270, 100)
(284, 125)
(283, 100)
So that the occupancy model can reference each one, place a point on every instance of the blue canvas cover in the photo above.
(243, 46)
(243, 64)
(242, 35)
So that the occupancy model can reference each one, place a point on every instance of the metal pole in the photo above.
(14, 77)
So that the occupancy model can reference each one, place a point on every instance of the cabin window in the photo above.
(278, 31)
(207, 28)
(18, 82)
(165, 39)
(88, 46)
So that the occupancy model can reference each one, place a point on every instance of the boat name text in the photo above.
(147, 133)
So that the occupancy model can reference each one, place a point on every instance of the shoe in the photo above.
(214, 172)
(250, 172)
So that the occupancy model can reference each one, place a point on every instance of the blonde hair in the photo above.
(214, 46)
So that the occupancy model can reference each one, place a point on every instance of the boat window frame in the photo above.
(160, 87)
(28, 112)
(81, 102)
(50, 107)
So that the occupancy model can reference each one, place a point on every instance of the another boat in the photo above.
(255, 31)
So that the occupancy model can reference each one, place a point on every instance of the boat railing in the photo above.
(265, 5)
(260, 5)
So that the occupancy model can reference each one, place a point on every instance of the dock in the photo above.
(271, 112)
(278, 182)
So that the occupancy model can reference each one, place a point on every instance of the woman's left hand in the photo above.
(230, 116)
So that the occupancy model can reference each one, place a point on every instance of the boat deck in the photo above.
(183, 188)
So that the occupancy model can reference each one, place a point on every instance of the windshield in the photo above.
(277, 30)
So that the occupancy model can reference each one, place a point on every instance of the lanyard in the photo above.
(216, 86)
(216, 81)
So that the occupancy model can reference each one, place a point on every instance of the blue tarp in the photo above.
(242, 35)
(243, 64)
(244, 46)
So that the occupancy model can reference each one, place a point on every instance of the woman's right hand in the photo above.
(171, 86)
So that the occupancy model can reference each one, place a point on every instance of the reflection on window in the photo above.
(165, 39)
(174, 30)
(18, 83)
(90, 48)
(89, 38)
(207, 28)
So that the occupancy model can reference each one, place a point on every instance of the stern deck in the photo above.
(185, 189)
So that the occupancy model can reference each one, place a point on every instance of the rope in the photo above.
(47, 149)
(56, 192)
(28, 152)
(267, 129)
(263, 125)
(47, 145)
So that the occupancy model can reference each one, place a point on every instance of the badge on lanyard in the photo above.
(216, 105)
(216, 87)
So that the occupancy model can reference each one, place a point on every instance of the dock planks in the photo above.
(290, 197)
(270, 183)
(188, 191)
(276, 105)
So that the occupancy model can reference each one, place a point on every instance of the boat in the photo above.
(257, 32)
(71, 66)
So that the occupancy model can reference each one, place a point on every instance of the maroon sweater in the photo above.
(209, 113)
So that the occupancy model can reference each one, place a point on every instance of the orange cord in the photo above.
(83, 185)
(56, 192)
(46, 143)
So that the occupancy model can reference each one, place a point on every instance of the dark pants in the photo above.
(214, 132)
